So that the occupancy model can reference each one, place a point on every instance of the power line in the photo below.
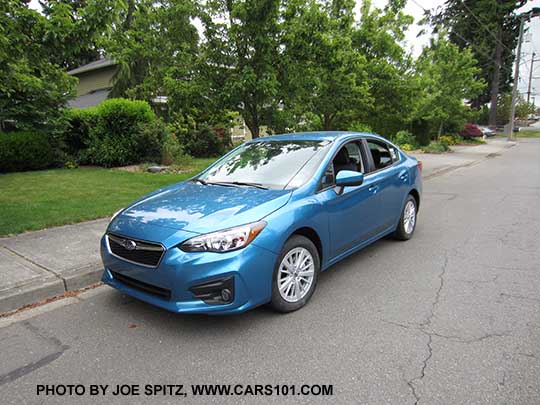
(486, 28)
(485, 54)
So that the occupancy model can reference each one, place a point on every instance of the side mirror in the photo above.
(346, 178)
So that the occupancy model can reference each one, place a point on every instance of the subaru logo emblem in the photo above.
(129, 244)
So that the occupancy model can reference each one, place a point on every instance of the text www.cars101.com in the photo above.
(259, 389)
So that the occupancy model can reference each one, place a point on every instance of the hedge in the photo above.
(117, 132)
(20, 151)
(203, 142)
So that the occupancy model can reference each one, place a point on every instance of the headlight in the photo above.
(116, 213)
(224, 241)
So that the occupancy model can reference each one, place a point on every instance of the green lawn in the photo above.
(528, 134)
(42, 199)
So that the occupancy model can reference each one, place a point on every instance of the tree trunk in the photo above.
(253, 128)
(495, 80)
(327, 121)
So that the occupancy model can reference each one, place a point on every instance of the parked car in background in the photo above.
(471, 131)
(260, 224)
(487, 131)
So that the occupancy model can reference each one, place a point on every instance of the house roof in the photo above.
(90, 99)
(95, 65)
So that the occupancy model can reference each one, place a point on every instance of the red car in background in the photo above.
(471, 131)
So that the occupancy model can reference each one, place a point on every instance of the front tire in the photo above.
(295, 275)
(407, 221)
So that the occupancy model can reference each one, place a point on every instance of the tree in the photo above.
(240, 49)
(323, 79)
(33, 89)
(490, 28)
(523, 109)
(156, 48)
(78, 28)
(447, 79)
(390, 70)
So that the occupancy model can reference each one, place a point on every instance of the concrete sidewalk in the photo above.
(43, 264)
(461, 156)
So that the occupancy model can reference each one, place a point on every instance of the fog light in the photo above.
(220, 291)
(226, 295)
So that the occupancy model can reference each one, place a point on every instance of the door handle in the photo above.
(373, 189)
(403, 175)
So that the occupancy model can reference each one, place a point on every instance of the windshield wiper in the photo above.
(245, 183)
(238, 184)
(197, 180)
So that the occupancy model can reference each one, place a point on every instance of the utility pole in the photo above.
(495, 81)
(534, 12)
(530, 79)
(516, 79)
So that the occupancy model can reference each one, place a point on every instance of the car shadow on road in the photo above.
(138, 314)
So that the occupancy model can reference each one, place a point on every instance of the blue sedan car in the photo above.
(261, 223)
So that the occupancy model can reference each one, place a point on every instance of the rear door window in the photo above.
(383, 154)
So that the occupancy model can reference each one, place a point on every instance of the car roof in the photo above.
(313, 136)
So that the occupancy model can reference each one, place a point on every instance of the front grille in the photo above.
(142, 286)
(135, 251)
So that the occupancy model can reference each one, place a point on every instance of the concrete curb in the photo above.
(39, 265)
(28, 293)
(38, 290)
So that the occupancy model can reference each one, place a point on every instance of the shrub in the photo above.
(472, 141)
(77, 135)
(436, 147)
(360, 127)
(124, 132)
(202, 143)
(25, 151)
(407, 147)
(223, 133)
(405, 138)
(450, 139)
(173, 152)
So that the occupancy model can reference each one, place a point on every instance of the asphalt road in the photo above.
(451, 316)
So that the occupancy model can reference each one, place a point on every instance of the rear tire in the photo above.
(295, 274)
(407, 221)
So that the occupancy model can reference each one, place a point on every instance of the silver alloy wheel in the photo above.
(409, 217)
(295, 276)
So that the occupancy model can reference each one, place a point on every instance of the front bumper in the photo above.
(182, 277)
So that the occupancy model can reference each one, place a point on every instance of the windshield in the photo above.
(270, 164)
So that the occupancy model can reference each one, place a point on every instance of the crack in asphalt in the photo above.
(423, 326)
(519, 297)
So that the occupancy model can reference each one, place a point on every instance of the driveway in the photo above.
(451, 316)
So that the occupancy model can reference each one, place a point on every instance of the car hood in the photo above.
(201, 208)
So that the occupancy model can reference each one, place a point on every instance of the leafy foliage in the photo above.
(76, 137)
(202, 143)
(76, 29)
(20, 151)
(392, 82)
(173, 152)
(436, 147)
(117, 132)
(33, 89)
(440, 102)
(320, 71)
(479, 25)
(240, 51)
(405, 138)
(451, 139)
